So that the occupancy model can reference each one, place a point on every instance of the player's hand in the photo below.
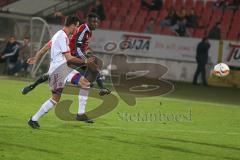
(32, 60)
(90, 60)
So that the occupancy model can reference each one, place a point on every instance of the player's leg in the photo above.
(44, 109)
(56, 83)
(40, 80)
(93, 74)
(77, 79)
(82, 100)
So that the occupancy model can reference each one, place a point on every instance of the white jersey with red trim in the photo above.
(59, 46)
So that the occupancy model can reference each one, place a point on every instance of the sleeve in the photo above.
(6, 48)
(49, 43)
(82, 37)
(64, 44)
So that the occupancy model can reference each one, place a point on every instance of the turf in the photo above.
(210, 130)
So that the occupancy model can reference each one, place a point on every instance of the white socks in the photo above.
(82, 100)
(49, 104)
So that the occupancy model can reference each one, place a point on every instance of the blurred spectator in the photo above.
(235, 4)
(182, 14)
(99, 10)
(215, 32)
(10, 54)
(224, 4)
(221, 3)
(202, 59)
(154, 5)
(170, 19)
(150, 26)
(181, 27)
(24, 54)
(192, 19)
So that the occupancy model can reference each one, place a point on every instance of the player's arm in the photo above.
(39, 54)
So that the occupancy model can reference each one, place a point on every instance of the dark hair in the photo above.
(204, 39)
(92, 15)
(218, 23)
(71, 20)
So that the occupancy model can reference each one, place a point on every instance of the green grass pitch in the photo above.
(211, 133)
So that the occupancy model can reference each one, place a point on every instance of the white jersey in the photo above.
(59, 46)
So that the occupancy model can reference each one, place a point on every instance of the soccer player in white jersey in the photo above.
(61, 59)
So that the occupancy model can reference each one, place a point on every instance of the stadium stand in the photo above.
(129, 16)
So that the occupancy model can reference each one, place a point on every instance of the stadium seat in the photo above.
(115, 25)
(115, 3)
(227, 17)
(235, 24)
(168, 4)
(123, 12)
(204, 21)
(226, 22)
(157, 29)
(112, 14)
(205, 17)
(217, 15)
(190, 31)
(199, 5)
(136, 28)
(139, 21)
(121, 15)
(163, 13)
(152, 14)
(125, 4)
(178, 4)
(143, 14)
(129, 19)
(224, 31)
(133, 11)
(125, 26)
(232, 35)
(167, 31)
(199, 33)
(105, 24)
(235, 28)
(188, 4)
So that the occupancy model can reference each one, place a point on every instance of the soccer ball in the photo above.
(221, 70)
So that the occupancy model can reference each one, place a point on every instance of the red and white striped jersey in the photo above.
(79, 42)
